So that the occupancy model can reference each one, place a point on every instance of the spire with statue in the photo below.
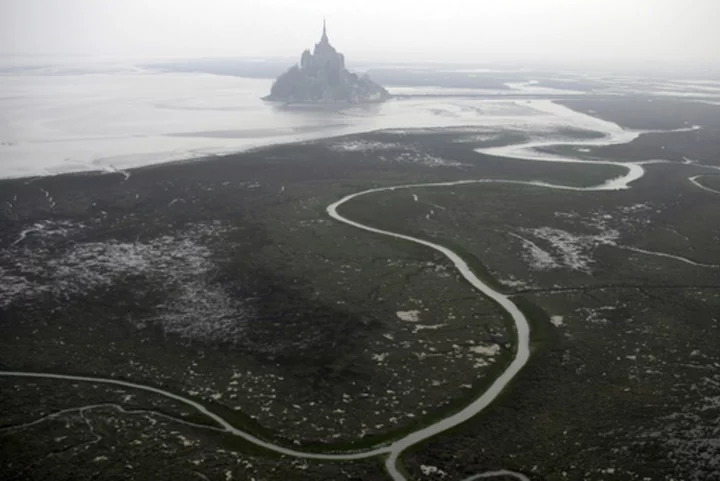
(321, 78)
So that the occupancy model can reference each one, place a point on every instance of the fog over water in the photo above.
(588, 32)
(77, 92)
(71, 123)
(53, 123)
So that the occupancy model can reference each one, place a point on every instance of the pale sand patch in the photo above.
(486, 349)
(409, 316)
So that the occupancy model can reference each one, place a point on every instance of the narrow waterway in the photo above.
(696, 182)
(613, 134)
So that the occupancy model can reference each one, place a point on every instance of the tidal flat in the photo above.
(224, 280)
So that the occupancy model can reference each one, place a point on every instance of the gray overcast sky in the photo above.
(481, 31)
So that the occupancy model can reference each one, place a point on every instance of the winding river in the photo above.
(392, 451)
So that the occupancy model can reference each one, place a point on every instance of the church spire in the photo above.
(324, 35)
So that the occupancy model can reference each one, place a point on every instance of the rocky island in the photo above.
(321, 78)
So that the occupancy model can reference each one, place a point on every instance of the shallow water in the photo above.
(52, 124)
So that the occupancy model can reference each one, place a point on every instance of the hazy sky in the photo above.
(481, 31)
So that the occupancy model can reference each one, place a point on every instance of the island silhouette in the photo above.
(321, 78)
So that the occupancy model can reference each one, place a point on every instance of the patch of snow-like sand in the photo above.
(596, 315)
(363, 146)
(425, 159)
(380, 357)
(432, 327)
(489, 350)
(512, 282)
(571, 251)
(409, 154)
(408, 316)
(487, 353)
(194, 307)
(538, 258)
(429, 470)
(478, 138)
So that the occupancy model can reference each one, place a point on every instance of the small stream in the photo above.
(614, 134)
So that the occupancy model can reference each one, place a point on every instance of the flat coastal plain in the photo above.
(224, 280)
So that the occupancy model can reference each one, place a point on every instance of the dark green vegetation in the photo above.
(625, 388)
(712, 181)
(650, 113)
(226, 281)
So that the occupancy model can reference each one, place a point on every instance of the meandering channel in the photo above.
(695, 181)
(528, 151)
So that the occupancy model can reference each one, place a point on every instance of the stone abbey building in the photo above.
(322, 77)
